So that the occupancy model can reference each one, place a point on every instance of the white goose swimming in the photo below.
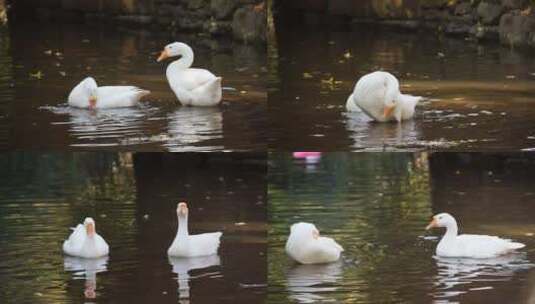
(192, 86)
(186, 245)
(469, 245)
(377, 95)
(88, 95)
(85, 242)
(306, 246)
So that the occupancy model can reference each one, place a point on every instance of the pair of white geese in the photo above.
(306, 246)
(85, 242)
(192, 86)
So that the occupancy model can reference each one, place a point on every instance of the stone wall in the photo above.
(245, 20)
(512, 22)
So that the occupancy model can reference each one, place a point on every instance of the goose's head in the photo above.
(89, 86)
(305, 230)
(89, 224)
(182, 209)
(441, 220)
(175, 49)
(389, 107)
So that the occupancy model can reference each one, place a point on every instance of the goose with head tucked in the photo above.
(469, 245)
(306, 246)
(87, 94)
(85, 242)
(377, 95)
(192, 86)
(186, 245)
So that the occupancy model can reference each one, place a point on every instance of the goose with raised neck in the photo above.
(468, 245)
(192, 86)
(186, 245)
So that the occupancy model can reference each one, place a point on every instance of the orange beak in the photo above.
(90, 229)
(315, 234)
(432, 224)
(163, 55)
(92, 102)
(388, 111)
(182, 208)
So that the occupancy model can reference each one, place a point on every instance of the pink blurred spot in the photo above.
(307, 154)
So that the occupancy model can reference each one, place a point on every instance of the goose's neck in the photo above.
(182, 226)
(89, 244)
(451, 232)
(185, 62)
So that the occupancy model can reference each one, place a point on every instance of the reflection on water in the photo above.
(478, 97)
(133, 198)
(189, 127)
(456, 275)
(87, 270)
(183, 266)
(33, 111)
(376, 205)
(312, 283)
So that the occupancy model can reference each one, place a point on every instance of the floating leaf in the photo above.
(37, 75)
(307, 75)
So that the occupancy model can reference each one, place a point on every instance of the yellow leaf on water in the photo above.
(37, 75)
(307, 75)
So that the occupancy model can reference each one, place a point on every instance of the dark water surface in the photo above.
(34, 113)
(479, 97)
(133, 201)
(377, 206)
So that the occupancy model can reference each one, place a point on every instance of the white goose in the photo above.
(88, 95)
(469, 245)
(186, 245)
(377, 95)
(306, 246)
(192, 86)
(85, 242)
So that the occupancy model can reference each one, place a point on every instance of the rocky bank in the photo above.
(512, 22)
(244, 20)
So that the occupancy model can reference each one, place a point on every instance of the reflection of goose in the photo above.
(88, 268)
(189, 127)
(369, 135)
(114, 126)
(192, 87)
(85, 242)
(377, 94)
(88, 95)
(182, 266)
(306, 283)
(469, 245)
(454, 273)
(186, 245)
(306, 246)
